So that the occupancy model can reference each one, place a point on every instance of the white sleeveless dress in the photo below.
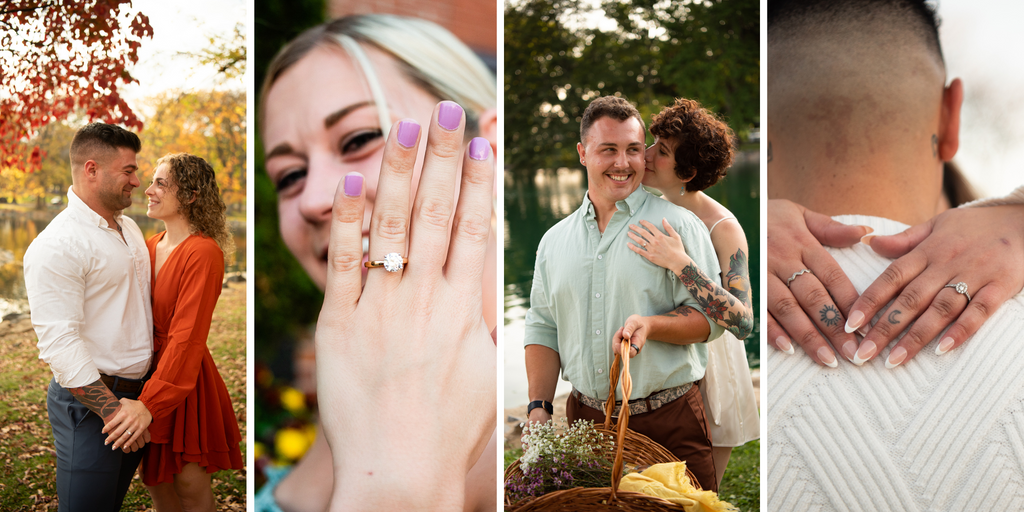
(728, 391)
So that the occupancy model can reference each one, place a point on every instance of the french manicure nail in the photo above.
(850, 349)
(408, 131)
(449, 116)
(944, 346)
(867, 349)
(826, 356)
(784, 345)
(479, 148)
(354, 183)
(852, 323)
(863, 331)
(866, 239)
(896, 356)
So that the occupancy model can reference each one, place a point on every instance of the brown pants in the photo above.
(680, 426)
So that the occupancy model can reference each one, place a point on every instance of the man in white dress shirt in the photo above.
(88, 281)
(861, 120)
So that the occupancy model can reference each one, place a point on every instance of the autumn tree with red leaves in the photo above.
(63, 57)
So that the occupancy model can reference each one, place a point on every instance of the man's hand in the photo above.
(635, 330)
(128, 425)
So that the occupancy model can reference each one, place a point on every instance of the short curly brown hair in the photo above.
(199, 198)
(619, 109)
(704, 144)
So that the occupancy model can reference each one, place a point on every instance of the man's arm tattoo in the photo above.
(97, 398)
(719, 305)
(680, 311)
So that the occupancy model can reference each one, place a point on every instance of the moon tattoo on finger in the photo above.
(892, 316)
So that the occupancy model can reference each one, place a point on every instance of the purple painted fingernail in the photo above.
(449, 116)
(408, 131)
(479, 148)
(354, 184)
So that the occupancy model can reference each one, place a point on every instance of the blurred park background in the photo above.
(172, 72)
(560, 55)
(287, 301)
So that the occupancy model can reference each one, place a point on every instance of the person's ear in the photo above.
(949, 129)
(90, 170)
(583, 153)
(489, 128)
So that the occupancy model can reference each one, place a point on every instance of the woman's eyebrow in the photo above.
(281, 149)
(333, 118)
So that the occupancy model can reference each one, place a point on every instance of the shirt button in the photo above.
(600, 257)
(597, 331)
(591, 226)
(600, 371)
(598, 295)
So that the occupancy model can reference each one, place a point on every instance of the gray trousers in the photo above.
(90, 476)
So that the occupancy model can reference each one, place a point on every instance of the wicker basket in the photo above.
(630, 447)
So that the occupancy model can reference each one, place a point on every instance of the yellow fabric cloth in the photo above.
(669, 481)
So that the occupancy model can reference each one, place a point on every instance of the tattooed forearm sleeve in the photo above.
(97, 398)
(730, 310)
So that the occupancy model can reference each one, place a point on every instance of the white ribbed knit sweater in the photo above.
(938, 433)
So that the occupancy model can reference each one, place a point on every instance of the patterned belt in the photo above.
(123, 385)
(639, 405)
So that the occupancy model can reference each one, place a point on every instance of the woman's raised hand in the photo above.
(664, 250)
(406, 365)
(802, 303)
(980, 247)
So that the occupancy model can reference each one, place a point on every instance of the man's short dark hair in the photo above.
(97, 138)
(614, 107)
(918, 15)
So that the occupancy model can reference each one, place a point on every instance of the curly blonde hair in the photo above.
(199, 198)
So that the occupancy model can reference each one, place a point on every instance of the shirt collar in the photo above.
(630, 204)
(86, 213)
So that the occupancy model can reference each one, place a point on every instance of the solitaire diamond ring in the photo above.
(960, 288)
(392, 262)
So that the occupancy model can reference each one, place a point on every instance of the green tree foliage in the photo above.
(557, 61)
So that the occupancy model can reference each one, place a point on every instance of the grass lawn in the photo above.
(741, 484)
(27, 458)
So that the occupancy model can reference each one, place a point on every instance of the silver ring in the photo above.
(392, 262)
(798, 274)
(960, 288)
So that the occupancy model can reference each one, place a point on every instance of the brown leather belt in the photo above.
(640, 405)
(122, 385)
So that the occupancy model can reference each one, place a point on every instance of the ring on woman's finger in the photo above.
(960, 288)
(129, 432)
(798, 274)
(392, 262)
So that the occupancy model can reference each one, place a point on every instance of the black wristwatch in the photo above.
(540, 403)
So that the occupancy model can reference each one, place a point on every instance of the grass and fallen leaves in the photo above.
(27, 457)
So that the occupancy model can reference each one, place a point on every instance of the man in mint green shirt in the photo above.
(588, 284)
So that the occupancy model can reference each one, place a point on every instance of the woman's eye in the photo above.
(358, 141)
(289, 179)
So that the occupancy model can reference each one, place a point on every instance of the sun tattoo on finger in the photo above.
(829, 315)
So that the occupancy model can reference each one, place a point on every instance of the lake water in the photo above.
(534, 203)
(18, 229)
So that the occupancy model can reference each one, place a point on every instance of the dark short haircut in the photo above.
(917, 15)
(704, 144)
(614, 107)
(95, 138)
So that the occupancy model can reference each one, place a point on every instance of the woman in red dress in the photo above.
(194, 430)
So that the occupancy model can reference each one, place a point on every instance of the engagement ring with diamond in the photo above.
(392, 262)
